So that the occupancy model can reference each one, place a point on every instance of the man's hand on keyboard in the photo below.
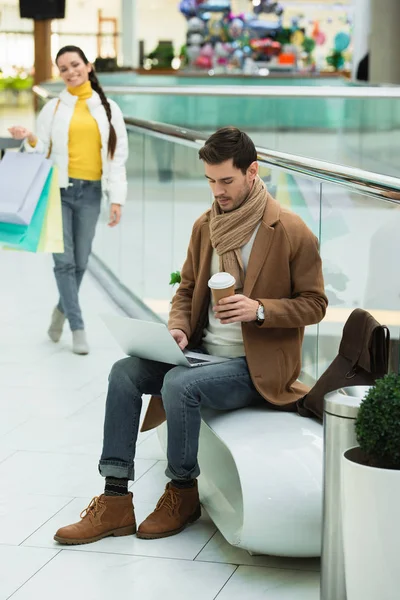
(180, 338)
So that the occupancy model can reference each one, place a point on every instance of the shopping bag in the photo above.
(22, 178)
(26, 237)
(51, 237)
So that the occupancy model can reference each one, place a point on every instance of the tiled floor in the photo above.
(51, 406)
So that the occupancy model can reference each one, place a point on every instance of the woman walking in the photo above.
(85, 136)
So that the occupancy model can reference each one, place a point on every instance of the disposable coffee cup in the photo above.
(222, 285)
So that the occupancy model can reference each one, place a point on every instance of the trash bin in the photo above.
(340, 412)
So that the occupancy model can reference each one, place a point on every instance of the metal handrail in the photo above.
(368, 183)
(275, 91)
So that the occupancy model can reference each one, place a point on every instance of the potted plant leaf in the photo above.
(175, 278)
(371, 497)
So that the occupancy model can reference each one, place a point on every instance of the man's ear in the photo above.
(253, 170)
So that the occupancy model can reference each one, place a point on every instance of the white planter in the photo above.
(371, 530)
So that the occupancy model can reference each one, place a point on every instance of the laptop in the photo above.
(153, 341)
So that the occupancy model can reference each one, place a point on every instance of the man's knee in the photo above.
(177, 382)
(124, 368)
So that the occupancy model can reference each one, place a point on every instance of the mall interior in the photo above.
(286, 513)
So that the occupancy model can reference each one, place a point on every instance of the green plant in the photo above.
(106, 65)
(163, 55)
(308, 45)
(17, 83)
(335, 60)
(183, 55)
(175, 278)
(378, 423)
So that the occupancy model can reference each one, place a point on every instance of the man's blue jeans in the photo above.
(222, 386)
(81, 203)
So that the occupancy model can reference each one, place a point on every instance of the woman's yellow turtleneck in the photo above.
(84, 142)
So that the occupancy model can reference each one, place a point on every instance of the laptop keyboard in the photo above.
(195, 361)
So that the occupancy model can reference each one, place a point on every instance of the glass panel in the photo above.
(360, 132)
(202, 113)
(132, 273)
(158, 222)
(121, 247)
(359, 241)
(318, 128)
(168, 192)
(176, 194)
(109, 238)
(380, 135)
(192, 198)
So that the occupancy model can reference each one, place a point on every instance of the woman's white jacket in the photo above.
(53, 125)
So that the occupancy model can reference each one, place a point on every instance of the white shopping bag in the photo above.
(22, 178)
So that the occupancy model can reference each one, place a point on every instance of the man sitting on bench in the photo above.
(279, 289)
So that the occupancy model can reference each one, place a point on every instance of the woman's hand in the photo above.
(20, 133)
(115, 215)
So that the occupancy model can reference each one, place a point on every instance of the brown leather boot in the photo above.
(176, 508)
(105, 516)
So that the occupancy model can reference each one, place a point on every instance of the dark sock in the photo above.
(116, 487)
(183, 484)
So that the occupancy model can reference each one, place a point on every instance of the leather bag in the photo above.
(363, 358)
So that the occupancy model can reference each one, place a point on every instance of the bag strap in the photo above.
(387, 331)
(51, 128)
(387, 347)
(376, 355)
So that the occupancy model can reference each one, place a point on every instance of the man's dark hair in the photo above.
(227, 143)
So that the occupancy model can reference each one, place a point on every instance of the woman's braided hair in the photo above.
(112, 138)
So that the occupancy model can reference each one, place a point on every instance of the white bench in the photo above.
(261, 479)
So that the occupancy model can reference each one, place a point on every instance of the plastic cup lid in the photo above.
(220, 281)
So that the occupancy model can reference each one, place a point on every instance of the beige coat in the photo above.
(285, 274)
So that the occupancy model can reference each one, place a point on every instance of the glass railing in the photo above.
(358, 233)
(357, 125)
(355, 215)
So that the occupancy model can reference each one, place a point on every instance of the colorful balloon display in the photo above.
(218, 37)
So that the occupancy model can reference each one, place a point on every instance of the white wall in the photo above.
(160, 20)
(81, 15)
(81, 18)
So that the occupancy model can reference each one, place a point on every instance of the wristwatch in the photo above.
(260, 314)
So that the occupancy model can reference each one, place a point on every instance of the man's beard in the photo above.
(243, 197)
(238, 201)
